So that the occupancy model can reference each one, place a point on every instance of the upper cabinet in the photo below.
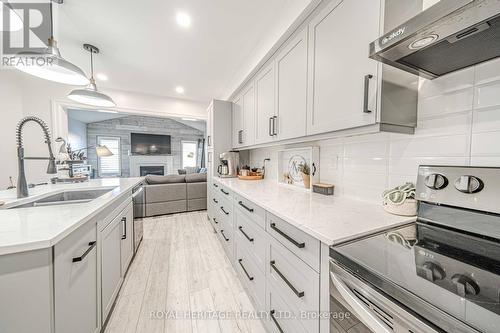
(291, 88)
(342, 79)
(244, 118)
(237, 115)
(265, 105)
(210, 126)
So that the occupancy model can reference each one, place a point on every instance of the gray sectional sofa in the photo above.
(175, 193)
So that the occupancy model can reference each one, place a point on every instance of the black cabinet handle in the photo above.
(124, 220)
(275, 321)
(222, 208)
(245, 234)
(367, 93)
(222, 190)
(270, 126)
(215, 185)
(244, 206)
(215, 220)
(299, 294)
(245, 270)
(314, 169)
(224, 235)
(288, 238)
(275, 119)
(87, 251)
(215, 200)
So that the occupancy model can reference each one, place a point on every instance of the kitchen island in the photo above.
(64, 252)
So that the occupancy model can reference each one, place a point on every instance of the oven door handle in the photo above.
(365, 315)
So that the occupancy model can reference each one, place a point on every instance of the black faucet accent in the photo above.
(22, 186)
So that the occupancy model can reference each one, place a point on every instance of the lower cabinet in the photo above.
(75, 281)
(111, 270)
(127, 239)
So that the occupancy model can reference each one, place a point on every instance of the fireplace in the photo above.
(158, 170)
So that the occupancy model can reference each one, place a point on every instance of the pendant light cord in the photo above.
(51, 20)
(91, 64)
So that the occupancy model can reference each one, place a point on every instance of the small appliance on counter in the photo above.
(229, 166)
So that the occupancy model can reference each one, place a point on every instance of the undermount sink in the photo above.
(65, 198)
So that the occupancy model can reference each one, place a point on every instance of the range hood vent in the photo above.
(449, 36)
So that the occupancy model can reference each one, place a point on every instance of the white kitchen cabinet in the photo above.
(237, 126)
(219, 137)
(75, 281)
(249, 116)
(291, 88)
(127, 238)
(265, 105)
(210, 126)
(342, 79)
(111, 275)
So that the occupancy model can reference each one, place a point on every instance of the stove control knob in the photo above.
(469, 184)
(465, 285)
(433, 272)
(436, 181)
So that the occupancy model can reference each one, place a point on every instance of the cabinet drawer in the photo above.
(251, 275)
(281, 316)
(301, 244)
(225, 210)
(225, 233)
(225, 192)
(249, 209)
(252, 237)
(295, 281)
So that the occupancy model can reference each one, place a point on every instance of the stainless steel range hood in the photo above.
(449, 36)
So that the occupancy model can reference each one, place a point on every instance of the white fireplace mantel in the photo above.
(136, 161)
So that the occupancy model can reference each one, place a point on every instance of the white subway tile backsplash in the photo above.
(485, 161)
(453, 145)
(486, 120)
(487, 72)
(446, 103)
(486, 144)
(446, 125)
(409, 165)
(487, 95)
(452, 82)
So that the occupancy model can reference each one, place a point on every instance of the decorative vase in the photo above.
(306, 179)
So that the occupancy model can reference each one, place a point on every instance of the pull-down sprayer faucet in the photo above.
(22, 186)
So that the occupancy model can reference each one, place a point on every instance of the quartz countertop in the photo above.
(330, 219)
(32, 228)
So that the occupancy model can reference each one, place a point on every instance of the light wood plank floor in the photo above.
(181, 269)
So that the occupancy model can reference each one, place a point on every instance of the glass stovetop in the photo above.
(455, 272)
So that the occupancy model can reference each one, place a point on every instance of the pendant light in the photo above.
(49, 65)
(15, 22)
(90, 95)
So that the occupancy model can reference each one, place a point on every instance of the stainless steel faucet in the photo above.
(22, 186)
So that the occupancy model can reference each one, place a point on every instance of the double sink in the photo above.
(64, 198)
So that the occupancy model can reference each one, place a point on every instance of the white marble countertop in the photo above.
(330, 219)
(32, 228)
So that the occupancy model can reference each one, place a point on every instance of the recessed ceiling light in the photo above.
(190, 119)
(179, 90)
(102, 77)
(183, 19)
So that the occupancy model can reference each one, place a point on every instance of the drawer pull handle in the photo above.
(223, 235)
(299, 294)
(215, 185)
(288, 238)
(80, 258)
(245, 270)
(215, 220)
(244, 206)
(225, 192)
(275, 321)
(215, 201)
(124, 220)
(245, 234)
(222, 208)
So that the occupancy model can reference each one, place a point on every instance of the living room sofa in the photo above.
(175, 193)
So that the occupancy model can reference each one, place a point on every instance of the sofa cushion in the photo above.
(196, 190)
(165, 192)
(190, 170)
(168, 179)
(196, 178)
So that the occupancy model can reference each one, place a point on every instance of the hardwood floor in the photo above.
(179, 272)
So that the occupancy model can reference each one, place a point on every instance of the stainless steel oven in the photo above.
(438, 274)
(139, 202)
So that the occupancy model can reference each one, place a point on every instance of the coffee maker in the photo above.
(230, 163)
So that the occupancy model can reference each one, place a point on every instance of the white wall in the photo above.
(459, 124)
(22, 95)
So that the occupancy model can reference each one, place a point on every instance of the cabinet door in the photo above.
(248, 116)
(291, 73)
(127, 238)
(265, 105)
(210, 124)
(110, 265)
(338, 47)
(237, 122)
(75, 281)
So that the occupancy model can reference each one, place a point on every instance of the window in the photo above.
(110, 166)
(189, 153)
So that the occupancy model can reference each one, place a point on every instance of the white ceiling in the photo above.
(144, 50)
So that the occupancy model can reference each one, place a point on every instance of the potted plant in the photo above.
(305, 170)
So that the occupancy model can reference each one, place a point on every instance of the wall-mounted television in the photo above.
(150, 144)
